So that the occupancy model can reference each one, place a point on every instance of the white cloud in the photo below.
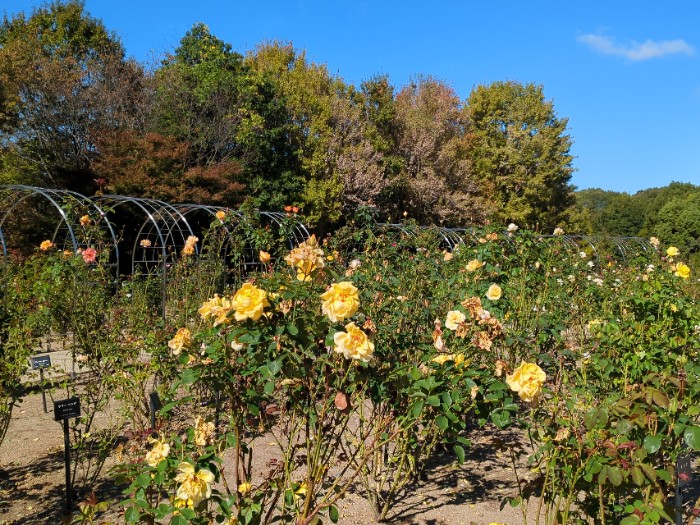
(635, 51)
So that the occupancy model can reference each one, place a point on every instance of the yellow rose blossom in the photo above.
(527, 381)
(182, 340)
(158, 452)
(203, 432)
(494, 292)
(340, 301)
(682, 270)
(195, 485)
(474, 265)
(85, 220)
(249, 302)
(45, 246)
(188, 250)
(441, 359)
(558, 231)
(217, 308)
(264, 257)
(354, 343)
(244, 488)
(145, 243)
(672, 251)
(306, 258)
(454, 319)
(654, 242)
(221, 215)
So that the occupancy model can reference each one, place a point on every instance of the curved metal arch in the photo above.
(454, 236)
(16, 194)
(163, 226)
(300, 232)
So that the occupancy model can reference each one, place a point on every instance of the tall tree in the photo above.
(63, 75)
(520, 153)
(435, 184)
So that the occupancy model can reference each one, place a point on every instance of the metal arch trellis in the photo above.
(162, 234)
(67, 230)
(298, 233)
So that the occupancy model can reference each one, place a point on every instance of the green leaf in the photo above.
(652, 443)
(433, 401)
(614, 475)
(269, 387)
(692, 437)
(459, 452)
(659, 398)
(333, 513)
(416, 408)
(442, 422)
(637, 475)
(143, 480)
(132, 515)
(292, 329)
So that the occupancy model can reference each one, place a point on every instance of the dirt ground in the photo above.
(32, 482)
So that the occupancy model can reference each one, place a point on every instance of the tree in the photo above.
(611, 213)
(520, 154)
(678, 224)
(435, 184)
(63, 77)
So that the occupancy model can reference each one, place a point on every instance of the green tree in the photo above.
(63, 77)
(611, 213)
(520, 153)
(678, 224)
(652, 200)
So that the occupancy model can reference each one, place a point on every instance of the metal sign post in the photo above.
(156, 405)
(40, 362)
(64, 410)
(684, 475)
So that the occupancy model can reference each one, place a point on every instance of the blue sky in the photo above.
(625, 73)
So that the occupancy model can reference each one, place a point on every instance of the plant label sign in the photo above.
(684, 469)
(66, 408)
(40, 361)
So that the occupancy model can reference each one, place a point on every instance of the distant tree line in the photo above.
(671, 213)
(269, 128)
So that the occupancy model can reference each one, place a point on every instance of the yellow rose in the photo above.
(203, 432)
(682, 270)
(221, 215)
(654, 242)
(527, 381)
(217, 308)
(158, 452)
(244, 488)
(340, 301)
(188, 249)
(45, 246)
(672, 251)
(474, 265)
(264, 257)
(195, 485)
(182, 340)
(249, 302)
(441, 359)
(85, 220)
(454, 319)
(354, 343)
(494, 292)
(306, 258)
